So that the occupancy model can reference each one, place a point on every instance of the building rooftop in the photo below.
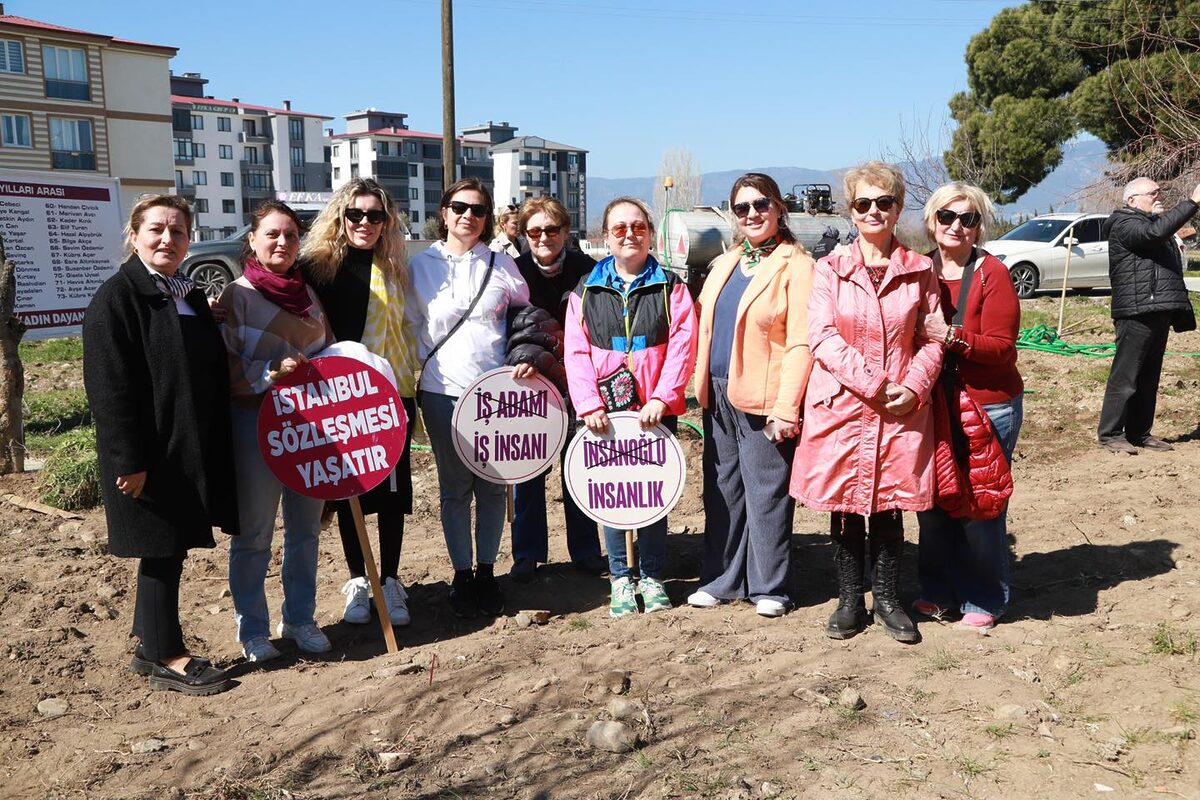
(535, 143)
(212, 101)
(397, 132)
(25, 22)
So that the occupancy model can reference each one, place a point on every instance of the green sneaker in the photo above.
(654, 595)
(623, 601)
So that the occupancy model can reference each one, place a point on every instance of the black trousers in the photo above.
(1132, 391)
(391, 538)
(156, 609)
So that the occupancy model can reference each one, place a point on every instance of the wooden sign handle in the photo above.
(508, 495)
(629, 550)
(385, 621)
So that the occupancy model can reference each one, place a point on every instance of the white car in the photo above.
(1035, 252)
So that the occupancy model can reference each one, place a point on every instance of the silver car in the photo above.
(1035, 253)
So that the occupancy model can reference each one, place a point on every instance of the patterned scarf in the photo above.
(174, 285)
(384, 332)
(753, 255)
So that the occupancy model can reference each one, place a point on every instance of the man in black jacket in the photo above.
(1145, 265)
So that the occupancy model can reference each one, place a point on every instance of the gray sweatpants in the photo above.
(748, 512)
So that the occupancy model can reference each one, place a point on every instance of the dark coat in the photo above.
(141, 384)
(1144, 264)
(552, 293)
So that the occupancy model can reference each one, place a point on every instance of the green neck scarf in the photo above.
(753, 255)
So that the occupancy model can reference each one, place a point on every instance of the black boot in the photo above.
(488, 595)
(462, 594)
(885, 552)
(850, 616)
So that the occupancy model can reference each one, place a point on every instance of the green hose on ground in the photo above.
(1045, 339)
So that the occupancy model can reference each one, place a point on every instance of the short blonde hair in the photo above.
(876, 173)
(550, 206)
(961, 190)
(137, 215)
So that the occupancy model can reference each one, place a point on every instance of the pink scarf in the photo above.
(286, 291)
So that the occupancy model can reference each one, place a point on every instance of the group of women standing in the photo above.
(815, 381)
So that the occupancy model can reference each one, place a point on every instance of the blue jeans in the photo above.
(530, 530)
(964, 564)
(651, 541)
(457, 485)
(259, 493)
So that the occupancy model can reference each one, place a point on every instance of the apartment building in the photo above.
(524, 167)
(408, 163)
(72, 101)
(229, 156)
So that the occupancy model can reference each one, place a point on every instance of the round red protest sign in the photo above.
(626, 477)
(332, 429)
(508, 430)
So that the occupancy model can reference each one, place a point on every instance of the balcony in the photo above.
(187, 190)
(68, 90)
(184, 161)
(256, 136)
(64, 159)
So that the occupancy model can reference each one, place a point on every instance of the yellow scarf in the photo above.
(384, 332)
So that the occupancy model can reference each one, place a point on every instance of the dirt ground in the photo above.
(1090, 686)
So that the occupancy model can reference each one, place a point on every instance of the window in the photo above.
(229, 206)
(337, 149)
(183, 149)
(249, 127)
(296, 128)
(250, 155)
(199, 177)
(201, 205)
(66, 73)
(223, 124)
(71, 144)
(197, 122)
(414, 194)
(256, 180)
(1088, 231)
(12, 56)
(431, 151)
(572, 159)
(354, 149)
(227, 179)
(198, 149)
(181, 120)
(297, 156)
(410, 148)
(16, 131)
(353, 171)
(412, 170)
(469, 152)
(225, 150)
(206, 234)
(298, 182)
(337, 173)
(179, 184)
(383, 148)
(414, 215)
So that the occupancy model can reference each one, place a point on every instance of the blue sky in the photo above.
(742, 84)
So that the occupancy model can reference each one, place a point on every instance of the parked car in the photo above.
(1035, 252)
(215, 264)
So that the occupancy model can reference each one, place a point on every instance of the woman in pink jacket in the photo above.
(866, 445)
(631, 344)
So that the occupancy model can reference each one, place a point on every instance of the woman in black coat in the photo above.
(157, 381)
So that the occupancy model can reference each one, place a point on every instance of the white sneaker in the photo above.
(259, 649)
(702, 600)
(396, 599)
(308, 637)
(358, 601)
(770, 608)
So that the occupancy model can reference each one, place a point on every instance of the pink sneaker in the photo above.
(978, 622)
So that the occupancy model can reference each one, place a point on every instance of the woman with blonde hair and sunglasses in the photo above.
(866, 446)
(631, 329)
(353, 257)
(751, 372)
(963, 564)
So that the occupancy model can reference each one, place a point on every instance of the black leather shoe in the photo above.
(488, 596)
(1151, 443)
(462, 594)
(848, 619)
(140, 665)
(896, 623)
(198, 679)
(523, 570)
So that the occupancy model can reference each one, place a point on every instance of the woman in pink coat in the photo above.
(866, 445)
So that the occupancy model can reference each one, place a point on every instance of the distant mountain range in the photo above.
(1064, 189)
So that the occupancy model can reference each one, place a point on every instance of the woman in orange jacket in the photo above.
(750, 375)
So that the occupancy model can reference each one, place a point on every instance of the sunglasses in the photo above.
(375, 216)
(549, 230)
(884, 203)
(638, 229)
(760, 204)
(969, 219)
(460, 208)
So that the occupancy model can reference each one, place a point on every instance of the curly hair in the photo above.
(325, 245)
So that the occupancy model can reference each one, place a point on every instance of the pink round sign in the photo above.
(332, 429)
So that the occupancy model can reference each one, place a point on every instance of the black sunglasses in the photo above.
(460, 208)
(761, 204)
(969, 219)
(884, 203)
(375, 216)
